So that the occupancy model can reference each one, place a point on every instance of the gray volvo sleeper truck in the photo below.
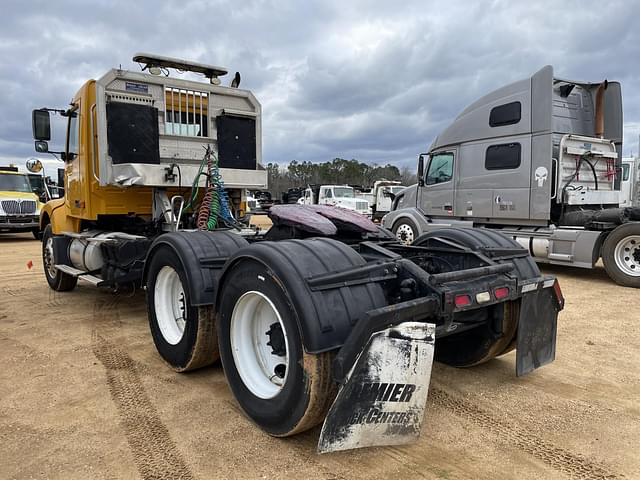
(540, 160)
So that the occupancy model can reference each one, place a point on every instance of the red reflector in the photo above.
(463, 300)
(500, 293)
(558, 292)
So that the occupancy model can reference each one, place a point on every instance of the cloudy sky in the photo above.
(372, 80)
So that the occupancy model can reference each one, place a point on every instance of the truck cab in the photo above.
(19, 206)
(336, 195)
(380, 197)
(541, 160)
(630, 187)
(135, 140)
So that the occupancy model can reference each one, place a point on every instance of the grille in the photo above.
(361, 205)
(19, 207)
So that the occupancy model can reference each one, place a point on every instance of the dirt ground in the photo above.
(83, 394)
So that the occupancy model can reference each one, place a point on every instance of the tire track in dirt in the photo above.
(154, 452)
(571, 464)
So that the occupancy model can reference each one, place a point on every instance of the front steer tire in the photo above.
(406, 231)
(184, 334)
(280, 406)
(57, 280)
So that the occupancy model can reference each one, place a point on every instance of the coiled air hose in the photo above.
(214, 207)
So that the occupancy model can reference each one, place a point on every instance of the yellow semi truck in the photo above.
(325, 316)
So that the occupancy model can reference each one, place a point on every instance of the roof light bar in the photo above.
(155, 63)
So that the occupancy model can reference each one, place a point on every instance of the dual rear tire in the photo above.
(279, 386)
(496, 336)
(184, 334)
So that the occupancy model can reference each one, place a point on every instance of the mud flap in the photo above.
(383, 397)
(537, 327)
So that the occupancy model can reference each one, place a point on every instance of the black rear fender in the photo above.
(202, 255)
(325, 317)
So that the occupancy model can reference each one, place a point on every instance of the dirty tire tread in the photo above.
(322, 391)
(309, 391)
(571, 464)
(205, 350)
(507, 342)
(198, 346)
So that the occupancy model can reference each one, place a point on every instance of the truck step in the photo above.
(82, 275)
(561, 257)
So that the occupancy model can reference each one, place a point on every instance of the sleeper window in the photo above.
(507, 114)
(503, 157)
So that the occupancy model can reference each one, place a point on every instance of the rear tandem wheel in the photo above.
(280, 387)
(485, 342)
(184, 334)
(278, 335)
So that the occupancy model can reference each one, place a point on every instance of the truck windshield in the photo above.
(14, 183)
(343, 192)
(37, 182)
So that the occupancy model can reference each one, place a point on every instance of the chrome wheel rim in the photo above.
(47, 258)
(254, 323)
(170, 305)
(627, 255)
(405, 234)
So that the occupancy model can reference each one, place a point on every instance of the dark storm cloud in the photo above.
(368, 80)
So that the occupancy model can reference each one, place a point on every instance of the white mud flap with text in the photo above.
(383, 397)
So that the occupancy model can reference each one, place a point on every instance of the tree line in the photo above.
(336, 171)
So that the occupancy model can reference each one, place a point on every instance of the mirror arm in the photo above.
(64, 113)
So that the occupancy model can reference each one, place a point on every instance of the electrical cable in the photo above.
(213, 209)
(564, 189)
(593, 170)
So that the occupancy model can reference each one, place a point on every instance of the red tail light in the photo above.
(502, 292)
(462, 301)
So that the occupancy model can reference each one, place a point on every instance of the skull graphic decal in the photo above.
(541, 174)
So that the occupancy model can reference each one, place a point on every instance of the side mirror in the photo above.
(34, 165)
(41, 126)
(421, 159)
(41, 146)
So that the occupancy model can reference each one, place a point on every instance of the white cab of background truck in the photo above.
(630, 185)
(338, 195)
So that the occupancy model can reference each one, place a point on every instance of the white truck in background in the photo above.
(380, 197)
(630, 185)
(337, 195)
